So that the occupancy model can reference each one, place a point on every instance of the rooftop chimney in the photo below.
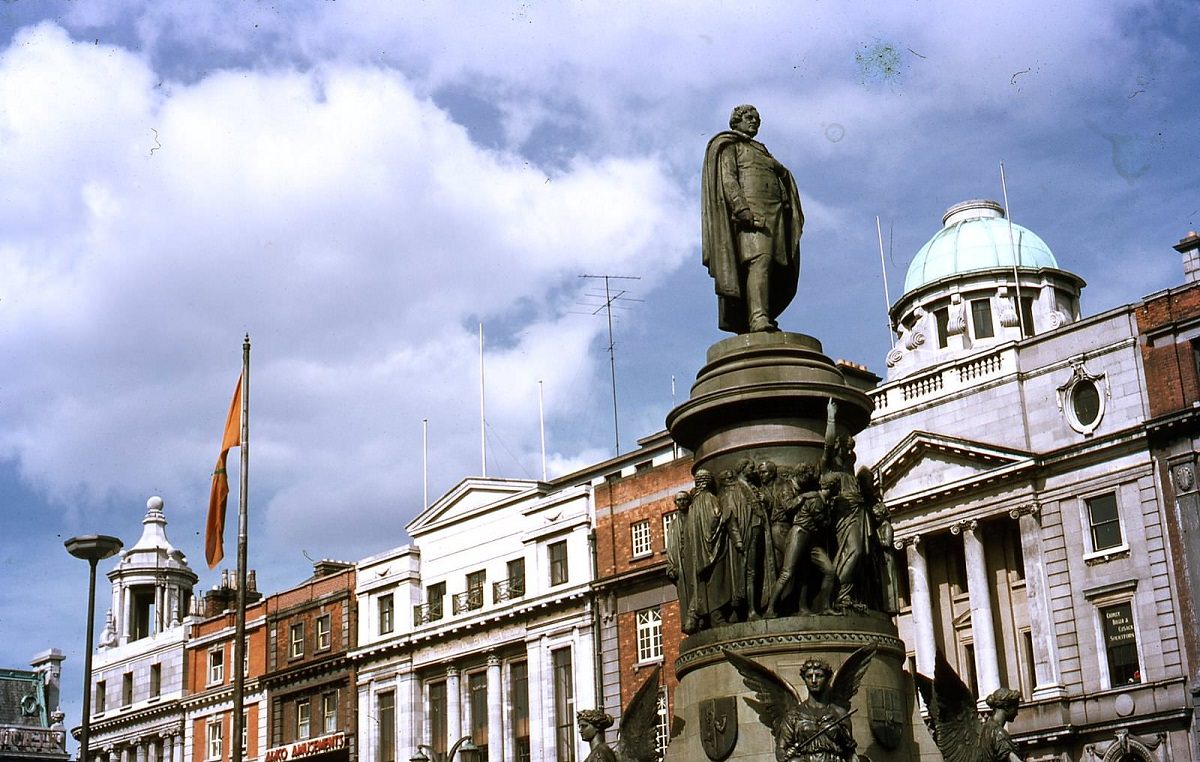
(1189, 247)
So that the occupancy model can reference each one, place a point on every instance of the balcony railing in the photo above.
(469, 600)
(427, 612)
(508, 589)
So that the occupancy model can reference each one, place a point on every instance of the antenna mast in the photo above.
(1013, 243)
(609, 298)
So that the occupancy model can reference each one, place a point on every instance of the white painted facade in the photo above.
(450, 625)
(1024, 497)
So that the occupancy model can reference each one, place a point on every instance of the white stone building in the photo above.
(138, 669)
(481, 628)
(1010, 441)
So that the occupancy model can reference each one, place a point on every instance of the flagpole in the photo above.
(239, 638)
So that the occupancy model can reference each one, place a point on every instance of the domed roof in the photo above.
(975, 236)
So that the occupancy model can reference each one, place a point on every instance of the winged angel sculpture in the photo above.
(814, 727)
(960, 733)
(637, 741)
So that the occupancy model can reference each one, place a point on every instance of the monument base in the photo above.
(711, 713)
(763, 396)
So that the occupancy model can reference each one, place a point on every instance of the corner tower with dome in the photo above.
(963, 294)
(138, 669)
(1009, 440)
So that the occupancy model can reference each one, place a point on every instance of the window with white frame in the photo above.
(245, 731)
(639, 532)
(557, 552)
(668, 520)
(303, 719)
(387, 612)
(216, 666)
(296, 640)
(1104, 522)
(323, 632)
(215, 734)
(662, 728)
(1119, 634)
(329, 712)
(649, 634)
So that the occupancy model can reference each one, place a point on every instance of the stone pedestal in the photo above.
(763, 396)
(884, 698)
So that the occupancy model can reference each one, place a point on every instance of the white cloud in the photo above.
(346, 222)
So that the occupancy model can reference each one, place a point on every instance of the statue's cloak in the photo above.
(719, 241)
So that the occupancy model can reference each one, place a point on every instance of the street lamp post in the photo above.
(463, 743)
(92, 548)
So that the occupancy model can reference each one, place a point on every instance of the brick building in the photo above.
(639, 607)
(1169, 328)
(209, 665)
(309, 680)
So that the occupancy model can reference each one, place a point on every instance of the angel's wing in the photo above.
(846, 680)
(637, 741)
(773, 696)
(952, 710)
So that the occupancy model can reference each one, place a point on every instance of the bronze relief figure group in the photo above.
(763, 540)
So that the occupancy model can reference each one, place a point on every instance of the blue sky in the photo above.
(360, 185)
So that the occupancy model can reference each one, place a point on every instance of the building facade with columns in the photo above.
(1010, 441)
(482, 628)
(138, 674)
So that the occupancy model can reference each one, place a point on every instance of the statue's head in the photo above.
(745, 119)
(767, 471)
(745, 467)
(704, 479)
(831, 484)
(816, 674)
(806, 476)
(726, 477)
(592, 721)
(1006, 700)
(683, 501)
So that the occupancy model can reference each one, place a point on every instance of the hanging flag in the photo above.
(214, 528)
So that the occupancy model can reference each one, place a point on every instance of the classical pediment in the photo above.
(470, 497)
(926, 466)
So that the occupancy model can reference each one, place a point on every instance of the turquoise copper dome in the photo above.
(975, 236)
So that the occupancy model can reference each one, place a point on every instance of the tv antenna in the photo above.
(610, 298)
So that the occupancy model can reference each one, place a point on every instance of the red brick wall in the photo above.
(200, 735)
(197, 655)
(1171, 380)
(646, 495)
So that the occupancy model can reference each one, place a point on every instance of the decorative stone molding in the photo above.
(698, 656)
(1082, 397)
(1007, 313)
(969, 524)
(900, 543)
(956, 321)
(1183, 476)
(1029, 509)
(1148, 748)
(493, 660)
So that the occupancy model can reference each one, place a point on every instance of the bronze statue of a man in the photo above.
(751, 222)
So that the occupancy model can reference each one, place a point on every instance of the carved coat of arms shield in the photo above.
(718, 727)
(887, 716)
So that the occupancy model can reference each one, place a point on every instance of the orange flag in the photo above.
(214, 528)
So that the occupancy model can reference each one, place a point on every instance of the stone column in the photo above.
(922, 603)
(152, 748)
(140, 750)
(408, 703)
(1047, 677)
(453, 706)
(983, 628)
(175, 742)
(495, 711)
(541, 702)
